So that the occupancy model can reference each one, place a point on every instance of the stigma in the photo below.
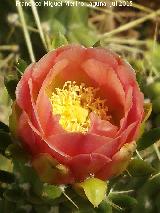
(74, 103)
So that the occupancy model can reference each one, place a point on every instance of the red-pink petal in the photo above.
(75, 55)
(102, 127)
(49, 122)
(137, 110)
(34, 143)
(74, 144)
(128, 106)
(25, 96)
(104, 56)
(110, 148)
(105, 78)
(86, 165)
(22, 91)
(126, 74)
(119, 162)
(34, 118)
(44, 65)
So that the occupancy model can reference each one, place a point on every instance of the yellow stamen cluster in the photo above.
(74, 103)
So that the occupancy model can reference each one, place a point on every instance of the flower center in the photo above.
(74, 103)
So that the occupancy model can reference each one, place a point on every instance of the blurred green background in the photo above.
(132, 31)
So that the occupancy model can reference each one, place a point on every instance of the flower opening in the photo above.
(74, 103)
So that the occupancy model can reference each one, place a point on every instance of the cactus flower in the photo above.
(79, 114)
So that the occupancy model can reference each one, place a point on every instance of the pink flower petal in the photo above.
(34, 143)
(22, 91)
(86, 165)
(102, 127)
(105, 78)
(137, 110)
(110, 148)
(44, 65)
(128, 106)
(48, 121)
(119, 162)
(126, 74)
(104, 56)
(34, 118)
(75, 55)
(25, 96)
(74, 144)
